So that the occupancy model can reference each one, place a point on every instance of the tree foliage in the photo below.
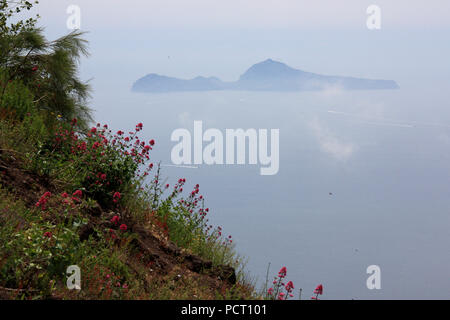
(48, 68)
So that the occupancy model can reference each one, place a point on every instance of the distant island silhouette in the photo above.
(268, 75)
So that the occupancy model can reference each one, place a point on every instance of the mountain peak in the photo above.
(268, 61)
(269, 68)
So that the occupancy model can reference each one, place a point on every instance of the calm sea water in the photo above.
(383, 156)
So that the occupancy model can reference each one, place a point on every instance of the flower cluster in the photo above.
(42, 203)
(104, 283)
(281, 290)
(318, 291)
(115, 220)
(48, 234)
(116, 197)
(104, 162)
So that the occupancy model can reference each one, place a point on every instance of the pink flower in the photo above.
(64, 195)
(319, 289)
(282, 272)
(78, 193)
(116, 197)
(48, 234)
(270, 291)
(123, 227)
(289, 286)
(43, 200)
(115, 220)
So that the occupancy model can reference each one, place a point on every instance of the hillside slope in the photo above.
(48, 223)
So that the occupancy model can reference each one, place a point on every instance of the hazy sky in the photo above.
(223, 38)
(252, 13)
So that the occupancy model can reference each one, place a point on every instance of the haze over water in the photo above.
(384, 161)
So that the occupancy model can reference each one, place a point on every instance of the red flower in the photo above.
(78, 193)
(116, 197)
(115, 220)
(289, 286)
(319, 289)
(282, 273)
(152, 142)
(43, 200)
(103, 176)
(48, 234)
(64, 195)
(123, 227)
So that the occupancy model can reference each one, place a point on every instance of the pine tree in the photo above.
(48, 68)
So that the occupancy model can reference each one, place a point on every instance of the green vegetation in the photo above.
(73, 194)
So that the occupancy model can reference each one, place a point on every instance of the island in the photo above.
(268, 75)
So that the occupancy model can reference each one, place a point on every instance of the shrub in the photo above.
(16, 100)
(280, 289)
